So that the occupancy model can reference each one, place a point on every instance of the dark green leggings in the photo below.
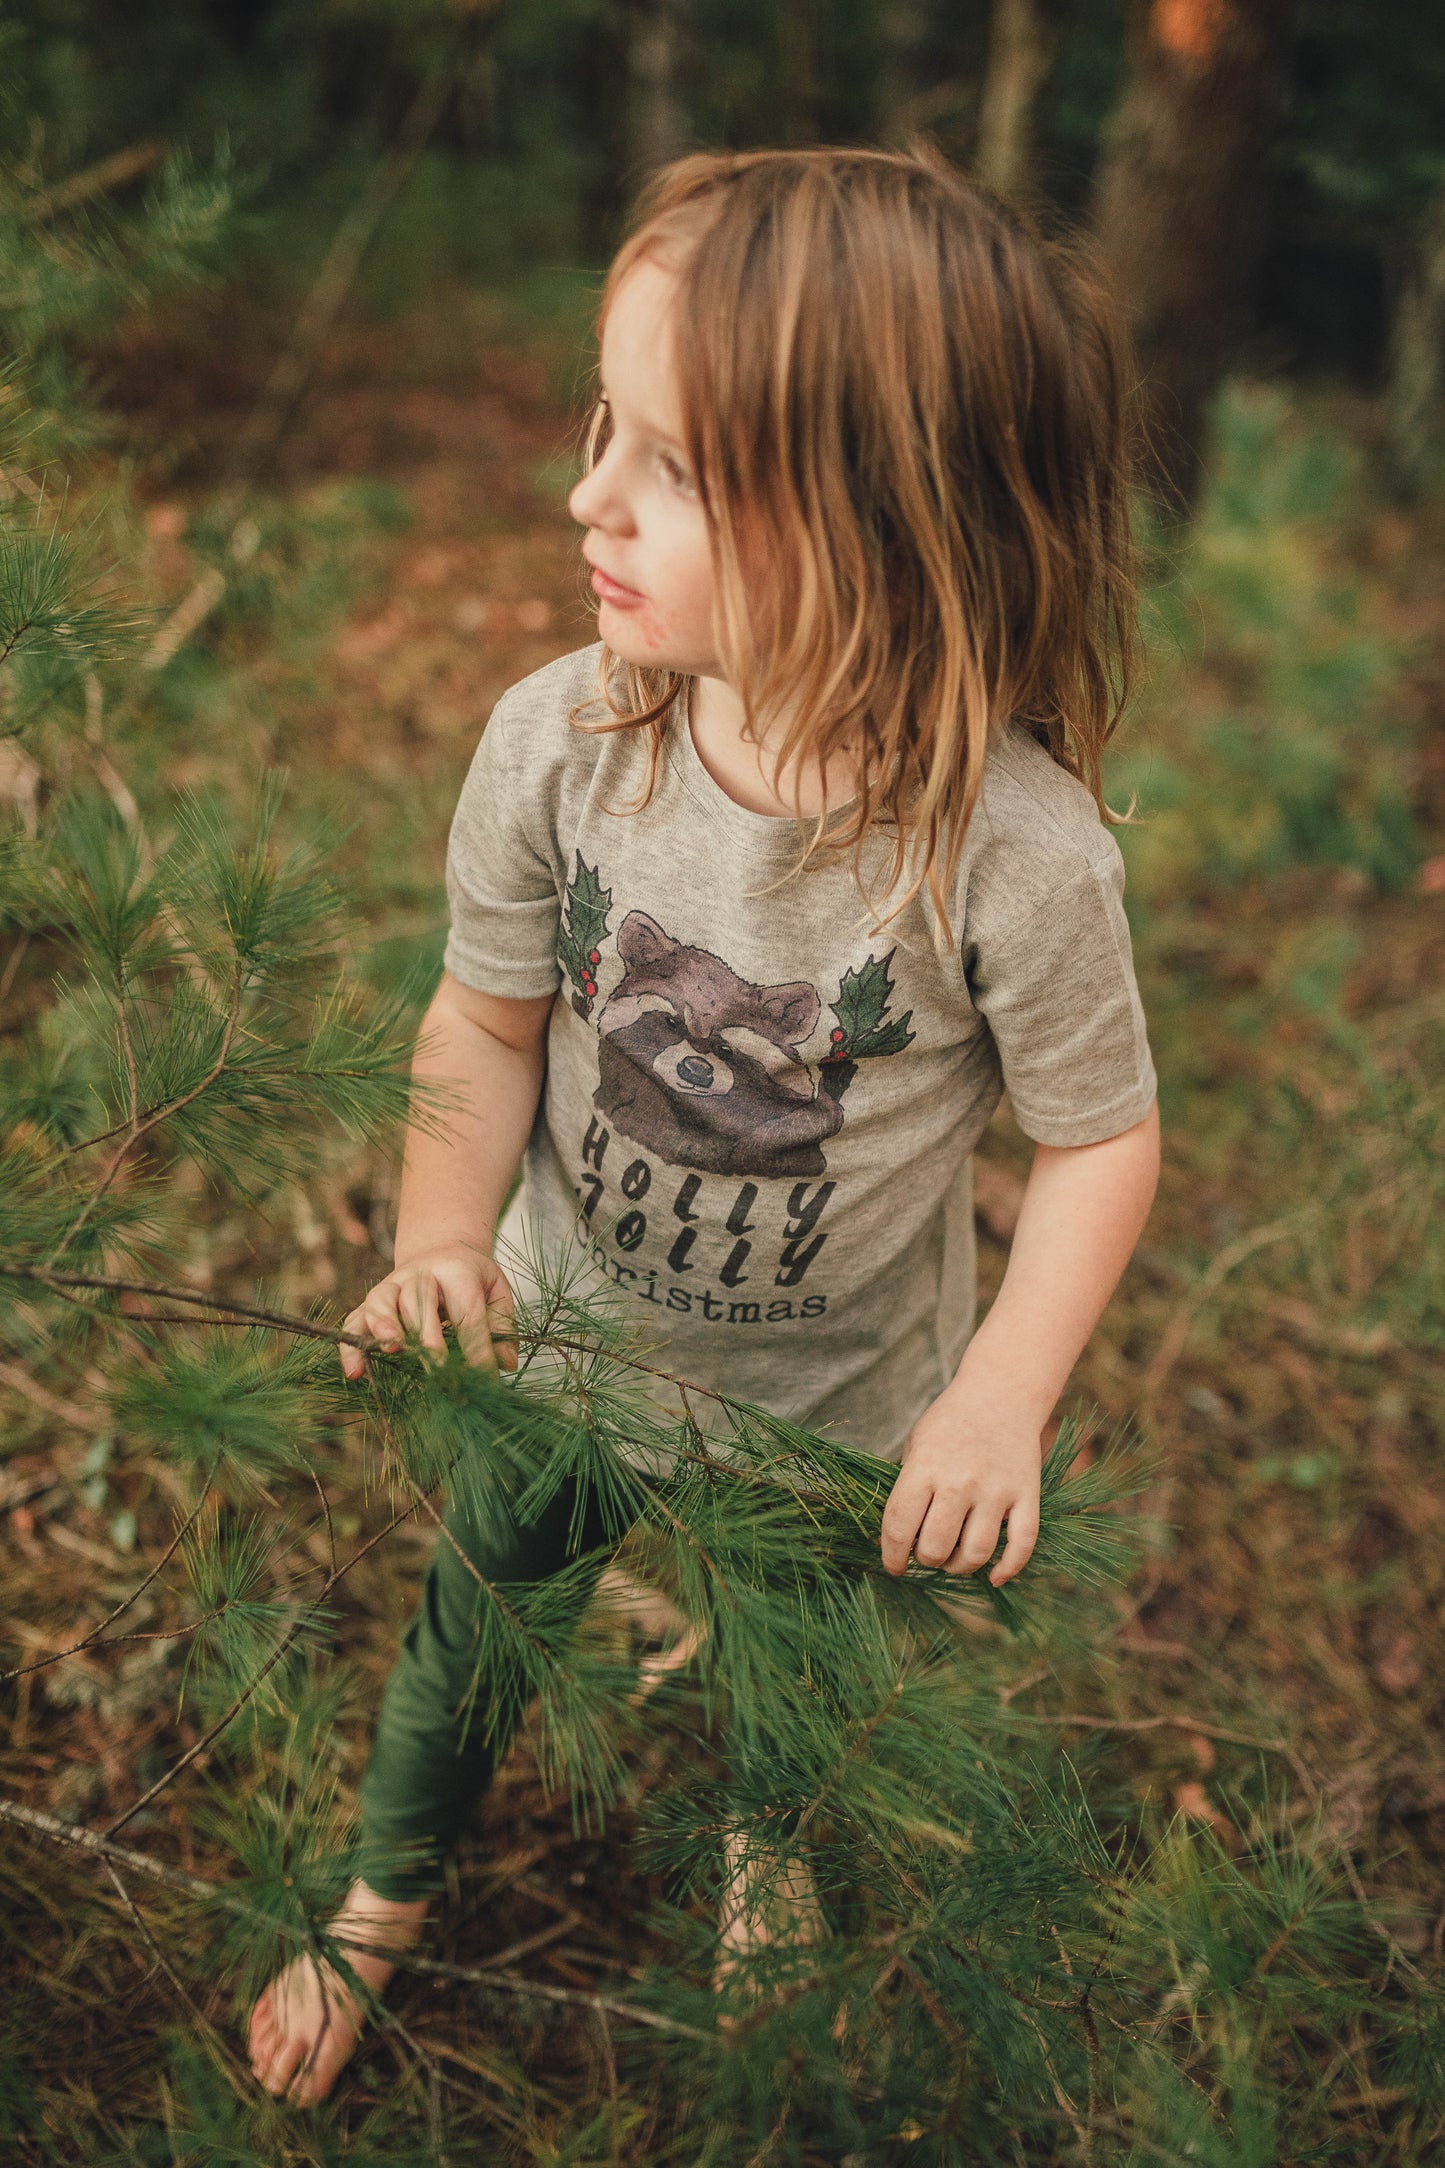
(434, 1750)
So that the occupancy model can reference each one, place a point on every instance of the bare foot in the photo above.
(786, 1915)
(308, 2020)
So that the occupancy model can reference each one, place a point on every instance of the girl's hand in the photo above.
(971, 1463)
(461, 1286)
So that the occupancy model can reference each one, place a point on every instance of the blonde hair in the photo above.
(916, 414)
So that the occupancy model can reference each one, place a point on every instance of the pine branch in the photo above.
(258, 1679)
(245, 1313)
(141, 1125)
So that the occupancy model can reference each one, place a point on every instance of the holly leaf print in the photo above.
(864, 1026)
(890, 1038)
(583, 931)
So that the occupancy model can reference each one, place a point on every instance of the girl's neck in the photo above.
(744, 768)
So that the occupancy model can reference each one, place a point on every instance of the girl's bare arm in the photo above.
(488, 1055)
(972, 1460)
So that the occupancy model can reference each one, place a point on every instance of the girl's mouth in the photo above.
(607, 589)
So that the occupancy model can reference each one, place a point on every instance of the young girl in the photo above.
(758, 907)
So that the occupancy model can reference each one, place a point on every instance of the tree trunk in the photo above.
(1173, 198)
(658, 124)
(1020, 48)
(1416, 388)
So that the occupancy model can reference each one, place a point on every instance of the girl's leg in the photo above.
(433, 1754)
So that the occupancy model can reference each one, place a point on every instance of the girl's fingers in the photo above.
(902, 1518)
(353, 1362)
(938, 1537)
(381, 1318)
(502, 1320)
(466, 1301)
(978, 1540)
(478, 1305)
(1023, 1534)
(418, 1308)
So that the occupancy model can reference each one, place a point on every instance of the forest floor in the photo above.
(1275, 1339)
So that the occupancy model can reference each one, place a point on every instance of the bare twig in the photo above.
(247, 1313)
(204, 2024)
(92, 1638)
(20, 1381)
(1159, 1723)
(100, 1846)
(116, 171)
(13, 962)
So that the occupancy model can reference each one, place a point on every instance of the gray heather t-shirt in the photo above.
(760, 1103)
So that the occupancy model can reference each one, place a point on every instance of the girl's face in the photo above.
(647, 535)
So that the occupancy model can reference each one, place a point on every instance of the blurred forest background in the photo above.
(295, 328)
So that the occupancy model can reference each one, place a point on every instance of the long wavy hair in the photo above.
(911, 421)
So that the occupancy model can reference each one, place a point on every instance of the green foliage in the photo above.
(70, 266)
(1276, 738)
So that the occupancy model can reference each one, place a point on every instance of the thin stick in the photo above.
(247, 1312)
(1159, 1723)
(116, 171)
(89, 1641)
(203, 2023)
(20, 1381)
(334, 280)
(100, 1846)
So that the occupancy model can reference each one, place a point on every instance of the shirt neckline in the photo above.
(771, 833)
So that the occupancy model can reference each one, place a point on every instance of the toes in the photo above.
(290, 2056)
(328, 2057)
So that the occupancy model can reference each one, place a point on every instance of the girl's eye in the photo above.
(677, 474)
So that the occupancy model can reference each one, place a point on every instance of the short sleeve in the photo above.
(501, 888)
(1059, 996)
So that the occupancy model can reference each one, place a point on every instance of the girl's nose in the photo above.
(580, 502)
(596, 503)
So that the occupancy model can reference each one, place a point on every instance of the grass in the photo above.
(1272, 1678)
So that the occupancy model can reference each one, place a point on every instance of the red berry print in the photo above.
(595, 957)
(837, 1036)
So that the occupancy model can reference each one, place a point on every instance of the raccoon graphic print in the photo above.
(762, 1091)
(707, 1069)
